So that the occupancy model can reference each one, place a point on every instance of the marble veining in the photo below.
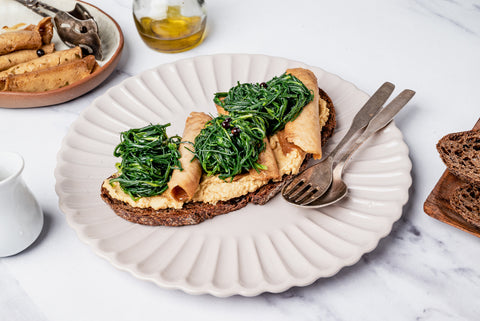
(458, 13)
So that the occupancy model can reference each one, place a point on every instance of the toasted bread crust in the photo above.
(466, 202)
(460, 152)
(191, 213)
(197, 212)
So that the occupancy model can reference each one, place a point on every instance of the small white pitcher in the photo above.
(21, 218)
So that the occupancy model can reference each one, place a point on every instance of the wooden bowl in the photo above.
(112, 45)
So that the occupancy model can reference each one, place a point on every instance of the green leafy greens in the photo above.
(149, 157)
(278, 100)
(231, 145)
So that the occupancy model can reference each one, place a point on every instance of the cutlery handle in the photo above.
(382, 119)
(38, 7)
(365, 114)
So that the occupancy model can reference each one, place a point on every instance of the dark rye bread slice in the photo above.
(466, 202)
(461, 153)
(189, 214)
(197, 212)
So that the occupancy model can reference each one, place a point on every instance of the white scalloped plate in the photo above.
(257, 249)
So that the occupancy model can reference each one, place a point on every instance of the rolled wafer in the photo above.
(50, 78)
(18, 40)
(304, 131)
(9, 60)
(184, 183)
(27, 38)
(45, 29)
(46, 61)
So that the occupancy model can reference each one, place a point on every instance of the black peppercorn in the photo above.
(236, 131)
(40, 52)
(263, 84)
(226, 123)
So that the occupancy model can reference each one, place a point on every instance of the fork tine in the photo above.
(313, 197)
(293, 185)
(300, 190)
(304, 195)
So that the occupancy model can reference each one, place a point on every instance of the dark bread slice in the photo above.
(197, 212)
(461, 153)
(189, 214)
(466, 202)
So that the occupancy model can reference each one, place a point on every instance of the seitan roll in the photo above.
(46, 61)
(184, 183)
(304, 131)
(27, 38)
(18, 40)
(9, 60)
(301, 136)
(50, 78)
(45, 29)
(267, 159)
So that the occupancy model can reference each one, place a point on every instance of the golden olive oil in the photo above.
(175, 33)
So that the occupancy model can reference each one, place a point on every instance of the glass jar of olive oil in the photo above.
(170, 25)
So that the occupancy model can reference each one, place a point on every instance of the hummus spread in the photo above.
(213, 189)
(324, 113)
(156, 202)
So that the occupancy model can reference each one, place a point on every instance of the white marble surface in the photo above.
(424, 270)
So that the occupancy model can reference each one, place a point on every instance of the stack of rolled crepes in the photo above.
(29, 62)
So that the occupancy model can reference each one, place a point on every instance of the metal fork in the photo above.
(322, 172)
(312, 183)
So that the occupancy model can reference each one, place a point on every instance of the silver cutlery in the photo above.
(319, 176)
(75, 28)
(322, 184)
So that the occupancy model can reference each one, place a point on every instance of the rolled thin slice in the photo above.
(267, 159)
(46, 61)
(304, 131)
(27, 38)
(288, 155)
(184, 183)
(50, 78)
(45, 29)
(9, 60)
(18, 26)
(220, 109)
(18, 40)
